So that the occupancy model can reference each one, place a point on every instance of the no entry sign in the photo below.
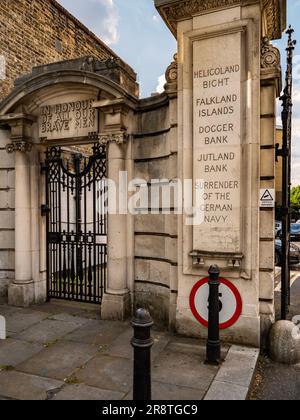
(230, 303)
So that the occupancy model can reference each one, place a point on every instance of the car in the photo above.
(294, 232)
(294, 253)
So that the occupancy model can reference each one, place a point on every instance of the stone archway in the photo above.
(39, 113)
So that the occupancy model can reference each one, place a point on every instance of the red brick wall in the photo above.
(35, 32)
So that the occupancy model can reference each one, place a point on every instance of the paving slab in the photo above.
(106, 372)
(222, 391)
(14, 352)
(48, 331)
(168, 392)
(8, 310)
(84, 310)
(83, 392)
(59, 361)
(97, 332)
(20, 386)
(194, 346)
(73, 318)
(183, 370)
(121, 347)
(239, 367)
(21, 320)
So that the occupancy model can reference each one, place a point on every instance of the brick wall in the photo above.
(35, 32)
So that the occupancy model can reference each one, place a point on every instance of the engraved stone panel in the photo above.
(217, 116)
(68, 120)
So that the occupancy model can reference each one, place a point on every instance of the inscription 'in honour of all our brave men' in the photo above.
(217, 141)
(71, 119)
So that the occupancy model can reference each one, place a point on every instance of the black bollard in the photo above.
(142, 343)
(213, 342)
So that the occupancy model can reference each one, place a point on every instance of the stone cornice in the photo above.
(173, 11)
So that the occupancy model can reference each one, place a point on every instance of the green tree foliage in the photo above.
(295, 199)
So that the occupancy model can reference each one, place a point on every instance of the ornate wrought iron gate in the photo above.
(76, 224)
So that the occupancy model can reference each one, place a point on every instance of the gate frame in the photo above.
(54, 155)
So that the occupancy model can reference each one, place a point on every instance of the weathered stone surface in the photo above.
(266, 286)
(7, 178)
(169, 392)
(186, 370)
(97, 332)
(60, 360)
(221, 391)
(14, 352)
(267, 255)
(7, 220)
(83, 392)
(7, 240)
(106, 372)
(239, 366)
(19, 386)
(48, 331)
(285, 343)
(121, 346)
(7, 199)
(18, 321)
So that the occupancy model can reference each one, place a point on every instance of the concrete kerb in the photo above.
(234, 379)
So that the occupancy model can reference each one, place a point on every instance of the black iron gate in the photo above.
(76, 224)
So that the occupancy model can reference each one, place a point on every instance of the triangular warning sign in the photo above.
(267, 196)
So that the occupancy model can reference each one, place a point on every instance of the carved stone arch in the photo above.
(25, 93)
(114, 97)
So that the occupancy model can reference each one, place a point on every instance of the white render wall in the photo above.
(7, 214)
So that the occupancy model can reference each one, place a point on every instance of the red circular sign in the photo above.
(199, 303)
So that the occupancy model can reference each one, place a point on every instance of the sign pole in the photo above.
(213, 342)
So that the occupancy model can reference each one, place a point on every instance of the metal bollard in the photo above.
(213, 342)
(142, 343)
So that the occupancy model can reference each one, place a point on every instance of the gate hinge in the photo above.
(45, 210)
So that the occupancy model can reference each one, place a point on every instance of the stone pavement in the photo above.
(62, 351)
(274, 381)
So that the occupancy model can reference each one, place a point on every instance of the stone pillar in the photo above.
(270, 90)
(21, 290)
(219, 142)
(116, 304)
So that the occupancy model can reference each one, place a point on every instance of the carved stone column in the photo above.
(21, 290)
(116, 304)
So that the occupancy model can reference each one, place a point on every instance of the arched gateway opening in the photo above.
(157, 251)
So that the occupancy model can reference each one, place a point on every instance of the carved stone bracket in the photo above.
(19, 146)
(172, 76)
(172, 70)
(233, 260)
(120, 137)
(270, 55)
